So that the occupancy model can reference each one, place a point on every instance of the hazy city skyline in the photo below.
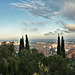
(42, 19)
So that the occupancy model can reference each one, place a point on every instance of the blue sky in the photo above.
(40, 19)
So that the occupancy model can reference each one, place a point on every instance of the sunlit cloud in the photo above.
(66, 31)
(70, 27)
(35, 23)
(49, 33)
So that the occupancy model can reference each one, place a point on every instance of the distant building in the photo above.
(52, 51)
(71, 54)
(54, 45)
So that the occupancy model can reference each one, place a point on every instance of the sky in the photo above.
(39, 19)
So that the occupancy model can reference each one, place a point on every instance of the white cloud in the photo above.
(50, 9)
(38, 8)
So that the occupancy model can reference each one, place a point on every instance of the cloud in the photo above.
(42, 23)
(60, 31)
(25, 29)
(66, 31)
(34, 29)
(67, 28)
(49, 33)
(35, 23)
(68, 10)
(49, 9)
(55, 31)
(70, 27)
(24, 23)
(38, 8)
(30, 29)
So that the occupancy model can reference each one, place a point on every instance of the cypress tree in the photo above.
(27, 43)
(21, 46)
(62, 48)
(58, 47)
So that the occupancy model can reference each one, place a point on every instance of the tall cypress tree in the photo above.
(27, 43)
(62, 48)
(58, 47)
(21, 46)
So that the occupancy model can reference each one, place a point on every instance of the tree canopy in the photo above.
(30, 62)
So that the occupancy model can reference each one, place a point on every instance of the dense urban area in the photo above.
(49, 47)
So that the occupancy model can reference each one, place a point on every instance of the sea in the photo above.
(42, 40)
(46, 40)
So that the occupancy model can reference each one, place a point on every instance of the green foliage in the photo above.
(71, 65)
(6, 50)
(57, 65)
(30, 62)
(21, 46)
(8, 61)
(58, 47)
(35, 74)
(62, 48)
(27, 43)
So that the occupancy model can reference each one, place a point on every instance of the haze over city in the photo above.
(40, 19)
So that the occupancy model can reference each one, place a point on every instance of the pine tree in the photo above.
(58, 47)
(62, 48)
(21, 46)
(27, 43)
